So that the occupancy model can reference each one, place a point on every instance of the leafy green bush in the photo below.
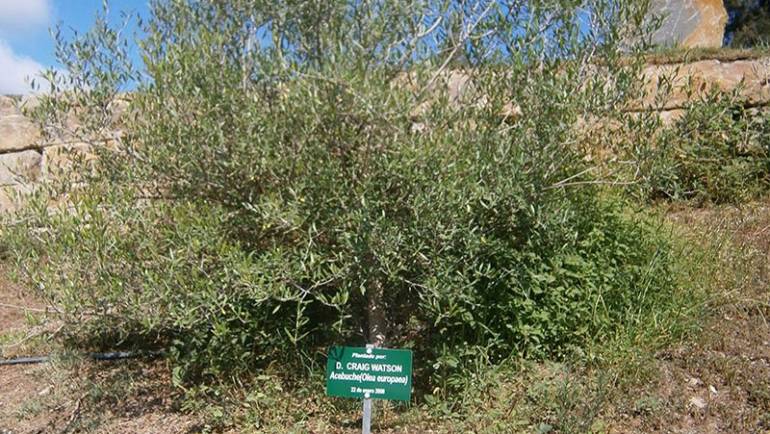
(296, 174)
(719, 152)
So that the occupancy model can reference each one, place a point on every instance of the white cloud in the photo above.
(23, 14)
(15, 70)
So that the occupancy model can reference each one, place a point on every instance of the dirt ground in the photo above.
(76, 395)
(720, 383)
(717, 383)
(36, 400)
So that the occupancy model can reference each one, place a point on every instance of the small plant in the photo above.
(647, 405)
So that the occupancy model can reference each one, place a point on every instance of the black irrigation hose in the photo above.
(24, 361)
(117, 355)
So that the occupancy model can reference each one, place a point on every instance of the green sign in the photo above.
(375, 373)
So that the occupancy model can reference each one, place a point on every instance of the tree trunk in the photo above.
(376, 314)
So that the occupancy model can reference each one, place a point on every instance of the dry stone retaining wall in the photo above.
(683, 83)
(21, 160)
(26, 160)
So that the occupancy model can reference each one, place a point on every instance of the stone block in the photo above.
(18, 168)
(17, 133)
(62, 160)
(12, 197)
(684, 83)
(690, 23)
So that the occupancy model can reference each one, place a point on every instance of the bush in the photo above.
(296, 175)
(718, 152)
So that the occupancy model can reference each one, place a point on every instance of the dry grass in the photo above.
(678, 55)
(720, 382)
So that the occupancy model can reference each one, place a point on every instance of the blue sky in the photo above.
(26, 45)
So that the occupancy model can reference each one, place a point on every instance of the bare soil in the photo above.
(77, 395)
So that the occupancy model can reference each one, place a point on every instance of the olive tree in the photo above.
(291, 174)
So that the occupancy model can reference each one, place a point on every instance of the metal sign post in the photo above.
(367, 422)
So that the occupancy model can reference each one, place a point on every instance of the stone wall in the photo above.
(682, 83)
(26, 160)
(21, 156)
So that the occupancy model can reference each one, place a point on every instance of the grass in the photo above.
(665, 56)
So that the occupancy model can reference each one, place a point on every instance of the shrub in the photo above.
(296, 174)
(718, 152)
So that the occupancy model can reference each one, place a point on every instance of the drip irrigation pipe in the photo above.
(115, 355)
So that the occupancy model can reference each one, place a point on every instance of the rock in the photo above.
(31, 101)
(118, 109)
(12, 197)
(690, 23)
(8, 106)
(459, 87)
(19, 168)
(60, 160)
(511, 112)
(670, 117)
(694, 382)
(419, 127)
(698, 403)
(17, 133)
(684, 83)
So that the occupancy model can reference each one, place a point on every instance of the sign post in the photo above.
(369, 373)
(366, 424)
